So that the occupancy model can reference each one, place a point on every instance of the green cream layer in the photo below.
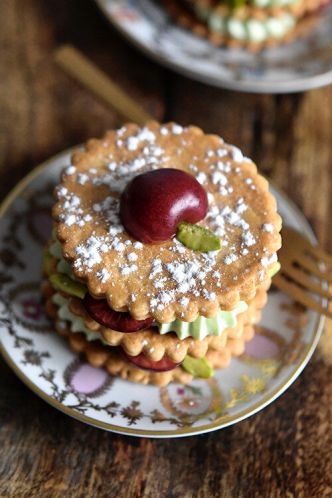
(202, 327)
(273, 3)
(76, 323)
(62, 266)
(251, 30)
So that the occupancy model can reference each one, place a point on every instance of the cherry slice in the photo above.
(100, 311)
(141, 361)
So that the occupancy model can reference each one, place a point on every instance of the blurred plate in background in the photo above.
(301, 65)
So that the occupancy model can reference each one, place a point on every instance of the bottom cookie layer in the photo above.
(115, 363)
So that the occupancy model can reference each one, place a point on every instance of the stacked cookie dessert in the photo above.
(163, 248)
(253, 24)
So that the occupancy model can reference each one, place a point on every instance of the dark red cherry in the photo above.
(100, 311)
(141, 361)
(154, 203)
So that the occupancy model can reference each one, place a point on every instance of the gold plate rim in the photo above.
(220, 422)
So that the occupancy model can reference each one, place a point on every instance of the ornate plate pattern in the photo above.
(297, 66)
(285, 341)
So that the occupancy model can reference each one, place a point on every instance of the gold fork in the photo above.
(99, 83)
(304, 271)
(298, 257)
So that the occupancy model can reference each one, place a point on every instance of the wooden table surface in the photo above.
(283, 451)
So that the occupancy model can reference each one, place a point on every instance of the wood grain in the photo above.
(284, 451)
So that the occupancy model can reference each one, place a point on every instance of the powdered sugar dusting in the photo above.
(82, 178)
(267, 227)
(70, 170)
(127, 270)
(90, 253)
(269, 260)
(132, 256)
(103, 275)
(230, 258)
(248, 239)
(237, 154)
(177, 129)
(73, 213)
(201, 177)
(182, 277)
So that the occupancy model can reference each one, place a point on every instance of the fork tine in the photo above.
(291, 240)
(299, 295)
(304, 279)
(321, 255)
(309, 265)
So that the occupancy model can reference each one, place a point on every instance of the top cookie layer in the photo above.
(167, 280)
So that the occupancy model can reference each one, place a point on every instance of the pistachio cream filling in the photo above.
(62, 265)
(249, 29)
(202, 327)
(76, 323)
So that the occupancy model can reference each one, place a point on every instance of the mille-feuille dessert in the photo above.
(252, 24)
(163, 249)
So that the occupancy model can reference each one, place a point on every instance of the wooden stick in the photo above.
(95, 80)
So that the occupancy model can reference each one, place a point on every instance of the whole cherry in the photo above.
(154, 203)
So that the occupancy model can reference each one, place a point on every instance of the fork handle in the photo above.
(90, 76)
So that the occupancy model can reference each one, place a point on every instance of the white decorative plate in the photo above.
(297, 66)
(285, 340)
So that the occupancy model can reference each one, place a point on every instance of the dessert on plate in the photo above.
(253, 24)
(163, 248)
